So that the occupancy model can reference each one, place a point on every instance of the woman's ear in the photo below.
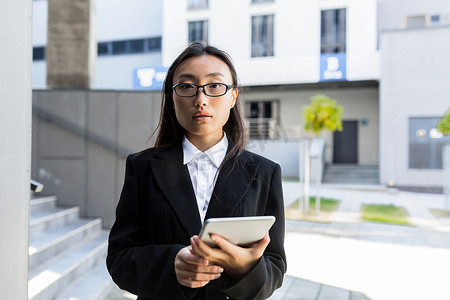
(234, 95)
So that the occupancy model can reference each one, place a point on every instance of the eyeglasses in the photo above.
(216, 89)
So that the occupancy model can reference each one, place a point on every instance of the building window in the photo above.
(38, 53)
(262, 119)
(198, 31)
(262, 36)
(195, 4)
(119, 47)
(136, 46)
(260, 1)
(129, 46)
(332, 31)
(416, 21)
(103, 49)
(425, 143)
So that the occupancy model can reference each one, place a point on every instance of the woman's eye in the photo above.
(185, 86)
(214, 86)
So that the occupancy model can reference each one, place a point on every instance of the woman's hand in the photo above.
(236, 261)
(194, 271)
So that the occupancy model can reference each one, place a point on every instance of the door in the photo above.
(345, 144)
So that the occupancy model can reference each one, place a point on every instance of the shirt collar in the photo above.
(216, 153)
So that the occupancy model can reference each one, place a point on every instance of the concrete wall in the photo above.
(80, 142)
(359, 103)
(415, 81)
(15, 146)
(296, 37)
(392, 13)
(289, 154)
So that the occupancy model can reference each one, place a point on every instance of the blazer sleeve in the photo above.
(268, 273)
(143, 269)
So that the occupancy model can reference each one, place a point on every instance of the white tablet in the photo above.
(238, 230)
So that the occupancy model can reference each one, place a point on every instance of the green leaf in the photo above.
(322, 114)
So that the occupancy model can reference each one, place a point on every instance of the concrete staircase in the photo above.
(351, 174)
(67, 254)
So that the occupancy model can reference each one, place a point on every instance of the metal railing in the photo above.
(36, 186)
(263, 128)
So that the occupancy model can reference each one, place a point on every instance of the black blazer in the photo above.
(157, 214)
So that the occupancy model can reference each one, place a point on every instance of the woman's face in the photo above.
(203, 117)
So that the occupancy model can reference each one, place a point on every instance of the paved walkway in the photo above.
(350, 259)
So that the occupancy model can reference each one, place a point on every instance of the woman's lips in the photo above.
(201, 116)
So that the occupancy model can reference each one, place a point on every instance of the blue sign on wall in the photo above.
(149, 78)
(333, 67)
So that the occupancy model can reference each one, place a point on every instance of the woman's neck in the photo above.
(203, 143)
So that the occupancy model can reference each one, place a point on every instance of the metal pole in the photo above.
(307, 160)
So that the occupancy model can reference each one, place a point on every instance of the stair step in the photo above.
(52, 218)
(94, 285)
(41, 204)
(49, 244)
(46, 281)
(354, 174)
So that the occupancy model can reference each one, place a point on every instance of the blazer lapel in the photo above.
(231, 186)
(175, 183)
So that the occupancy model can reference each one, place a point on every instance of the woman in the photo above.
(197, 170)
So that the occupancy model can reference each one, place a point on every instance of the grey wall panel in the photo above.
(66, 179)
(101, 186)
(68, 105)
(135, 125)
(102, 108)
(56, 141)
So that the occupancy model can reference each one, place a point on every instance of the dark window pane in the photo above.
(192, 4)
(333, 31)
(38, 53)
(262, 36)
(154, 44)
(137, 46)
(102, 49)
(119, 47)
(425, 143)
(198, 31)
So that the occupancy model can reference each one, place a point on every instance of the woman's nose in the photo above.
(201, 99)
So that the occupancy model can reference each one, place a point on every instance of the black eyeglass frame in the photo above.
(228, 87)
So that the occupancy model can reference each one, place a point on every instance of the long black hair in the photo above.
(171, 132)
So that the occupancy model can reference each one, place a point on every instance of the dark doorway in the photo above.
(345, 144)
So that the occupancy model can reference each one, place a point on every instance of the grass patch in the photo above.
(385, 214)
(440, 213)
(290, 179)
(327, 207)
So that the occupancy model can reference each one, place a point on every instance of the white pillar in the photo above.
(446, 177)
(15, 146)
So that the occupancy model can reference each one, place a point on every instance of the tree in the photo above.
(322, 114)
(444, 124)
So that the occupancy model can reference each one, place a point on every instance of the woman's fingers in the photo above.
(194, 271)
(236, 260)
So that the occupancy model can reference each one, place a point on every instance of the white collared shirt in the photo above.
(203, 169)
